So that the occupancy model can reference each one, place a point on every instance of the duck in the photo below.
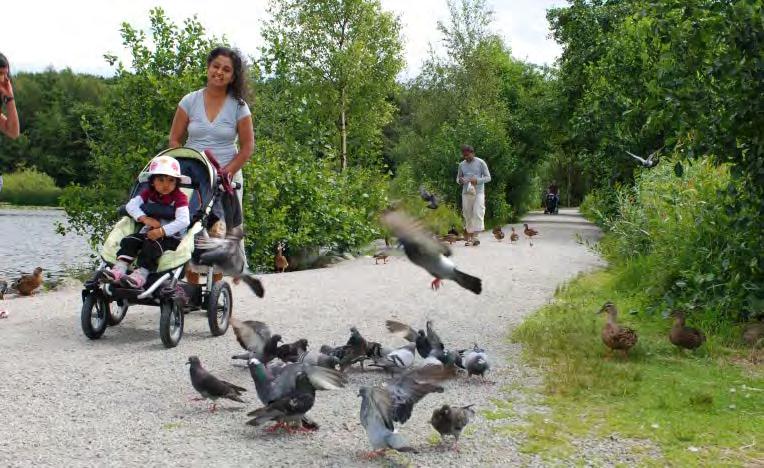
(281, 261)
(381, 255)
(530, 232)
(513, 236)
(615, 336)
(498, 233)
(28, 283)
(682, 336)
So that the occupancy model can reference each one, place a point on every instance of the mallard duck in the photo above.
(615, 336)
(529, 233)
(498, 233)
(685, 337)
(513, 236)
(28, 283)
(381, 255)
(281, 261)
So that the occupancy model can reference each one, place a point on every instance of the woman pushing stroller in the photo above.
(157, 235)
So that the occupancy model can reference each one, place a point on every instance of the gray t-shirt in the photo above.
(218, 136)
(478, 169)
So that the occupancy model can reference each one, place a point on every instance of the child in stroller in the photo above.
(157, 235)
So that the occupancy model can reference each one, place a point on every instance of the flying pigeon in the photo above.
(649, 161)
(225, 254)
(381, 407)
(255, 337)
(425, 341)
(424, 251)
(210, 387)
(430, 198)
(451, 420)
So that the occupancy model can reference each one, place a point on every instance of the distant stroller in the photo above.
(106, 304)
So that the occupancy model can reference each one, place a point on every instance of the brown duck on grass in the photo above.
(28, 283)
(615, 336)
(683, 336)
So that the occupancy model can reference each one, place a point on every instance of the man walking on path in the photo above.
(472, 176)
(9, 121)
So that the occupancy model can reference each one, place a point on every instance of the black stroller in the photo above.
(106, 304)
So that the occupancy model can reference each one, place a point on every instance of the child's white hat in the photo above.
(165, 165)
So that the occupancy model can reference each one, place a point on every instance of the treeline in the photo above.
(684, 78)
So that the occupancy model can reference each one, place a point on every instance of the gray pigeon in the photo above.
(316, 358)
(210, 387)
(398, 359)
(476, 362)
(225, 254)
(255, 337)
(430, 198)
(290, 409)
(274, 383)
(450, 420)
(426, 252)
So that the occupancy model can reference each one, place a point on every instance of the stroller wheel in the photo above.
(94, 315)
(170, 323)
(117, 313)
(219, 308)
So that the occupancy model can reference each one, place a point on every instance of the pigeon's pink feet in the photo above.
(276, 427)
(213, 408)
(455, 447)
(373, 454)
(435, 285)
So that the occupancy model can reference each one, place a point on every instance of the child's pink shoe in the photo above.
(112, 275)
(134, 280)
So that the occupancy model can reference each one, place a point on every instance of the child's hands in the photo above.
(150, 222)
(155, 234)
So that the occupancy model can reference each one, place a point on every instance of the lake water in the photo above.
(28, 239)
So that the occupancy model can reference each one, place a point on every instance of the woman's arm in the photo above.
(9, 124)
(246, 145)
(179, 128)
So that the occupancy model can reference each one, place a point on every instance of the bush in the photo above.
(674, 237)
(292, 197)
(29, 187)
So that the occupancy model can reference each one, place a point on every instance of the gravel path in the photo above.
(123, 400)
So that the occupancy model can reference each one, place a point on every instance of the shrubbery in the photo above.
(674, 236)
(29, 187)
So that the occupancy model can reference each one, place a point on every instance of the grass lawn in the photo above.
(701, 408)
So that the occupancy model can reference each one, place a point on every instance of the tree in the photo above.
(338, 61)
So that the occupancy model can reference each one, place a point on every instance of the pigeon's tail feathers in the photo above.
(466, 281)
(235, 388)
(255, 284)
(243, 356)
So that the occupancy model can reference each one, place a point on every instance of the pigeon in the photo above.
(289, 409)
(3, 288)
(451, 420)
(425, 341)
(356, 350)
(320, 359)
(255, 337)
(272, 386)
(430, 198)
(427, 253)
(210, 387)
(475, 361)
(397, 359)
(650, 161)
(225, 254)
(291, 352)
(381, 407)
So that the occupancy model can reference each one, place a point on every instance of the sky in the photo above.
(36, 34)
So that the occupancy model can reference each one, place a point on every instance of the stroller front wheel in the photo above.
(219, 308)
(170, 323)
(94, 315)
(117, 314)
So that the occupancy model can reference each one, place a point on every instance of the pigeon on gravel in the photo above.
(475, 361)
(255, 337)
(430, 198)
(317, 358)
(273, 384)
(398, 359)
(210, 387)
(225, 254)
(425, 342)
(290, 352)
(381, 407)
(290, 409)
(356, 350)
(451, 420)
(426, 252)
